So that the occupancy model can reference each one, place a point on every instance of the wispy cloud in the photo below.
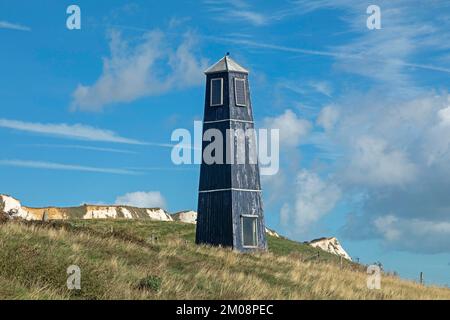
(235, 10)
(363, 57)
(265, 45)
(71, 131)
(240, 10)
(13, 26)
(255, 18)
(412, 37)
(324, 88)
(178, 168)
(80, 147)
(66, 167)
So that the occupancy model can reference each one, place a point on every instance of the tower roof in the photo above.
(226, 64)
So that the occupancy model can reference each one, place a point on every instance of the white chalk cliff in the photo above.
(12, 208)
(186, 216)
(330, 245)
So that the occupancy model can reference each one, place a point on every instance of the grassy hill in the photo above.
(144, 259)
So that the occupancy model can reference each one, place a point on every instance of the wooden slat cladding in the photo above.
(214, 220)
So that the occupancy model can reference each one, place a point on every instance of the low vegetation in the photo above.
(143, 259)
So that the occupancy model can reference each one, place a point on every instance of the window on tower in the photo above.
(239, 92)
(249, 231)
(216, 92)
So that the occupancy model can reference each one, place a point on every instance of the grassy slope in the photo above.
(118, 260)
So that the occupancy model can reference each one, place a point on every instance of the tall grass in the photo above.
(122, 260)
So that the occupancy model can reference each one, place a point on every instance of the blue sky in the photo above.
(86, 115)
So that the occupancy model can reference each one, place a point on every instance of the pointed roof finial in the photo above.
(226, 64)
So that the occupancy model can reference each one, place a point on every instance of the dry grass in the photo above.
(34, 259)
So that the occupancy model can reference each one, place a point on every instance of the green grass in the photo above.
(164, 231)
(144, 259)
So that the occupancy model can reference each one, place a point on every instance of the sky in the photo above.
(86, 115)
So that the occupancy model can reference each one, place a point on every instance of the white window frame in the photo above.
(245, 92)
(211, 93)
(256, 229)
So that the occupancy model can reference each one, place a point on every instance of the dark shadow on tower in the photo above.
(230, 209)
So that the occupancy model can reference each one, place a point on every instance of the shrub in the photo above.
(3, 215)
(3, 218)
(152, 283)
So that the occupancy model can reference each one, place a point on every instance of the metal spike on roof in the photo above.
(226, 64)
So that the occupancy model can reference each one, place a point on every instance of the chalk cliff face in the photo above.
(13, 209)
(272, 233)
(330, 245)
(186, 216)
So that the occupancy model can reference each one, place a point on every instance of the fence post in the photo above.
(421, 277)
(153, 238)
(45, 216)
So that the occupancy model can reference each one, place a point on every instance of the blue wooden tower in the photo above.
(230, 211)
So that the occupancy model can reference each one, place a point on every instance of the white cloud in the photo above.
(328, 117)
(141, 199)
(150, 67)
(414, 234)
(373, 163)
(393, 139)
(386, 226)
(61, 166)
(444, 115)
(13, 26)
(395, 156)
(314, 198)
(437, 139)
(292, 128)
(70, 131)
